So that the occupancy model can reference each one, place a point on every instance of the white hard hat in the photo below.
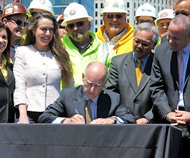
(75, 11)
(41, 5)
(114, 6)
(146, 10)
(165, 14)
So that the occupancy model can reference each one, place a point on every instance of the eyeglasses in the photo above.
(18, 22)
(117, 16)
(61, 27)
(91, 84)
(143, 43)
(182, 12)
(77, 24)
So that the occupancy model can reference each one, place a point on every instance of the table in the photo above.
(89, 141)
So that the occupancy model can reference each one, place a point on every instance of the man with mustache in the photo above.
(116, 33)
(129, 74)
(82, 45)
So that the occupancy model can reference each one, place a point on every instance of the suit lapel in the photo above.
(10, 76)
(146, 73)
(129, 68)
(79, 102)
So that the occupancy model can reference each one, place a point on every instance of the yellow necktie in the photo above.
(88, 112)
(138, 71)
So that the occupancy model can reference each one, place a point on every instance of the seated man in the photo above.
(104, 107)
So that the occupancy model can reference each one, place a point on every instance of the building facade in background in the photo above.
(95, 6)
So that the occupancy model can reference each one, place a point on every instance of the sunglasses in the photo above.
(117, 16)
(143, 43)
(18, 22)
(77, 24)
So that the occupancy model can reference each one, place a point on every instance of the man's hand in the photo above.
(183, 117)
(141, 121)
(103, 121)
(76, 119)
(171, 117)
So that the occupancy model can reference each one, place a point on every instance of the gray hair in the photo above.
(148, 27)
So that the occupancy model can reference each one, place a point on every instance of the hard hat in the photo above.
(45, 5)
(60, 18)
(13, 8)
(146, 10)
(75, 11)
(165, 14)
(114, 6)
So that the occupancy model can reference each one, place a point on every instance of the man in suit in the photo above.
(69, 108)
(170, 78)
(123, 78)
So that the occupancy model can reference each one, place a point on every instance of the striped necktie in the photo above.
(138, 71)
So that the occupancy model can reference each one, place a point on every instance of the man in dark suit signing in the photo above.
(130, 73)
(170, 78)
(70, 107)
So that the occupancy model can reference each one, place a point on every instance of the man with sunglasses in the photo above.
(104, 105)
(81, 44)
(14, 17)
(116, 33)
(129, 74)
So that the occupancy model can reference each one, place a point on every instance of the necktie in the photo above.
(180, 70)
(138, 71)
(88, 118)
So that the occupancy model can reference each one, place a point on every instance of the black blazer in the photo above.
(122, 79)
(7, 110)
(164, 81)
(73, 98)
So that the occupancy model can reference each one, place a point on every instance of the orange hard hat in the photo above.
(60, 18)
(12, 9)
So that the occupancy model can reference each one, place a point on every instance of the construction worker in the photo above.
(14, 17)
(145, 13)
(163, 21)
(61, 29)
(81, 44)
(116, 33)
(40, 6)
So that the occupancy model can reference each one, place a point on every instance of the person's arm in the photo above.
(158, 88)
(20, 99)
(23, 118)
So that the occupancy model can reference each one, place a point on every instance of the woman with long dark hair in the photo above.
(7, 81)
(41, 67)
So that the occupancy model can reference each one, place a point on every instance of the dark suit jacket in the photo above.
(122, 78)
(164, 81)
(73, 98)
(7, 110)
